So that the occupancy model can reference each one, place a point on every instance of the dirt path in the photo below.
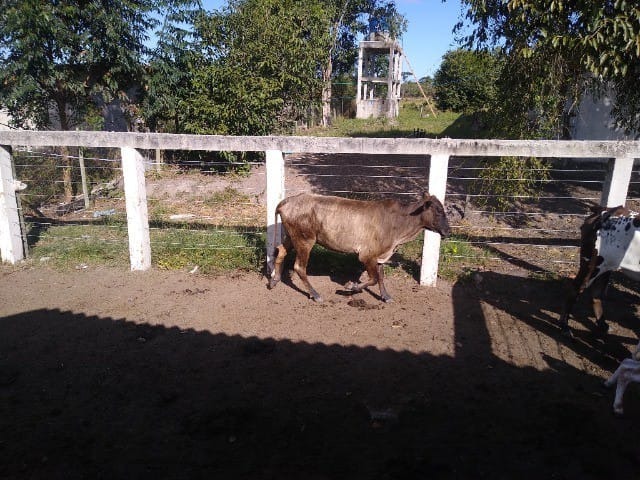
(106, 373)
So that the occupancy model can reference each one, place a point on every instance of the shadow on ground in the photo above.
(89, 397)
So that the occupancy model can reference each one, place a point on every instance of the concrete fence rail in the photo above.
(620, 156)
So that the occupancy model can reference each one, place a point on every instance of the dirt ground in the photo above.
(105, 373)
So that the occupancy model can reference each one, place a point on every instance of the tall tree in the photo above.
(258, 69)
(169, 71)
(58, 56)
(557, 47)
(466, 80)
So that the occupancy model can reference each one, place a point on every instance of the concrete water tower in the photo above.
(379, 88)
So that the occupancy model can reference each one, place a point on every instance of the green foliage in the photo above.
(168, 74)
(510, 179)
(410, 89)
(557, 50)
(466, 80)
(70, 246)
(58, 56)
(414, 115)
(259, 68)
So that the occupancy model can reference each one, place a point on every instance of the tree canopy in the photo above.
(466, 80)
(558, 48)
(56, 56)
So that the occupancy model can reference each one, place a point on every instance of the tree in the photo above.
(346, 20)
(258, 67)
(466, 80)
(168, 79)
(558, 48)
(265, 62)
(58, 56)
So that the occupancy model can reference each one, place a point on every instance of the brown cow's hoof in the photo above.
(272, 283)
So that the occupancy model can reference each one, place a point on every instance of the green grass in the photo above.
(414, 115)
(71, 246)
(211, 250)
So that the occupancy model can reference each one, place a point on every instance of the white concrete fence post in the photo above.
(136, 203)
(616, 183)
(11, 246)
(438, 171)
(275, 193)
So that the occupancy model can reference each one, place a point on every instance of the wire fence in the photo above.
(213, 205)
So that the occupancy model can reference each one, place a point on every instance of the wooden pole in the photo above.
(420, 86)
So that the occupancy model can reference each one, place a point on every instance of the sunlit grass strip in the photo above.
(211, 252)
(68, 246)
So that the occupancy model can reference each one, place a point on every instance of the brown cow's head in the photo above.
(432, 215)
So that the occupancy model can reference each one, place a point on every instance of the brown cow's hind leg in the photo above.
(276, 274)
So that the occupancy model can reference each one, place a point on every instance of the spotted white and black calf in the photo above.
(610, 241)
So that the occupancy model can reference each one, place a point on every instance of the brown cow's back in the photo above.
(346, 225)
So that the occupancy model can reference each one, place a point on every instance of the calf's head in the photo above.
(432, 215)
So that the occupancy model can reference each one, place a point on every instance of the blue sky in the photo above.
(429, 34)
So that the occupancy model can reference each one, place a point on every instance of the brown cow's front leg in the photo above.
(375, 272)
(383, 291)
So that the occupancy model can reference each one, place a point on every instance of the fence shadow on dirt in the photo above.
(108, 398)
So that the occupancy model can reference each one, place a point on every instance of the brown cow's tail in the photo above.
(275, 236)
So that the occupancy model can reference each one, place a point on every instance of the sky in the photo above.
(429, 34)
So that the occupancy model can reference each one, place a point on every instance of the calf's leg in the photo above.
(628, 371)
(598, 290)
(579, 283)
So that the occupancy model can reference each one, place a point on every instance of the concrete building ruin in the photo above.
(379, 77)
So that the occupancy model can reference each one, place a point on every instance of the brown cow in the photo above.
(371, 229)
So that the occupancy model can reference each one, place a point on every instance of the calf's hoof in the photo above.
(566, 332)
(602, 328)
(272, 283)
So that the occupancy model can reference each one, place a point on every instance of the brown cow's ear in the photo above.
(424, 205)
